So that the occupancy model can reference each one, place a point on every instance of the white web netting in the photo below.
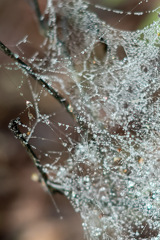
(106, 156)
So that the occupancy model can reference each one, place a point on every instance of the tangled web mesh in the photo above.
(106, 159)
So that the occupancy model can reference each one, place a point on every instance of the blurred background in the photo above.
(26, 210)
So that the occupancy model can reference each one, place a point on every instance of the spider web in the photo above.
(104, 153)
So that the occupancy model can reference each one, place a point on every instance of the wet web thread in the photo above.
(104, 154)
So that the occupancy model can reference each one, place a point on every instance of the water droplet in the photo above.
(16, 55)
(64, 144)
(70, 109)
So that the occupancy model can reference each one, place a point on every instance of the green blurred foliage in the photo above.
(150, 17)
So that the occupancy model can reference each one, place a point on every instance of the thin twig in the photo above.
(36, 76)
(39, 15)
(51, 186)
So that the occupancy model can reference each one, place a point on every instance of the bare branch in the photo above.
(37, 77)
(51, 186)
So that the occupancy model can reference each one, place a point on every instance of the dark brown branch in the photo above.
(38, 14)
(51, 186)
(36, 76)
